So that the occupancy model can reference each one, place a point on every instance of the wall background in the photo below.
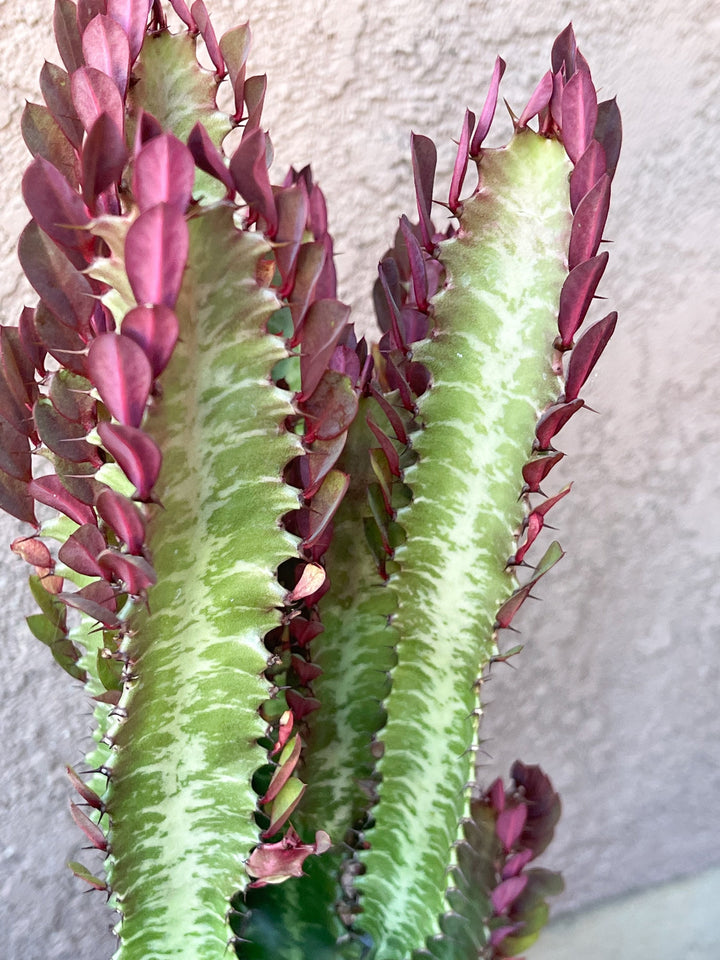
(616, 691)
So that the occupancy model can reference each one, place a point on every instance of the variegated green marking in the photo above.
(181, 802)
(489, 362)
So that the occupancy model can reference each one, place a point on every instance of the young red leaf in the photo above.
(135, 574)
(292, 208)
(488, 111)
(91, 830)
(137, 455)
(461, 162)
(104, 155)
(57, 209)
(16, 499)
(608, 132)
(507, 892)
(204, 25)
(283, 806)
(254, 90)
(156, 250)
(81, 549)
(588, 170)
(105, 46)
(64, 437)
(33, 551)
(50, 491)
(324, 325)
(589, 222)
(564, 51)
(277, 862)
(391, 454)
(577, 294)
(418, 273)
(235, 46)
(122, 375)
(424, 161)
(586, 354)
(324, 505)
(67, 34)
(93, 93)
(87, 9)
(60, 341)
(156, 330)
(286, 766)
(208, 158)
(55, 86)
(164, 173)
(579, 114)
(248, 167)
(181, 9)
(535, 471)
(15, 458)
(90, 607)
(509, 825)
(43, 137)
(538, 101)
(331, 409)
(132, 15)
(123, 518)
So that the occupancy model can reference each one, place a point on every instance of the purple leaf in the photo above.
(122, 375)
(254, 90)
(324, 504)
(589, 222)
(43, 137)
(105, 45)
(292, 208)
(577, 294)
(67, 34)
(50, 491)
(608, 132)
(249, 171)
(461, 162)
(123, 518)
(235, 46)
(556, 99)
(314, 466)
(586, 354)
(15, 397)
(535, 471)
(134, 573)
(60, 341)
(388, 449)
(103, 158)
(538, 101)
(331, 409)
(32, 348)
(507, 892)
(64, 290)
(516, 864)
(57, 209)
(87, 9)
(579, 114)
(488, 110)
(325, 323)
(553, 420)
(310, 261)
(588, 170)
(91, 830)
(88, 795)
(15, 458)
(16, 499)
(93, 608)
(164, 173)
(33, 551)
(509, 825)
(132, 15)
(563, 52)
(181, 9)
(156, 250)
(56, 89)
(392, 414)
(156, 330)
(424, 161)
(63, 436)
(208, 158)
(81, 549)
(94, 93)
(137, 455)
(202, 19)
(416, 260)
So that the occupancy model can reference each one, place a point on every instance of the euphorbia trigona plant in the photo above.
(281, 558)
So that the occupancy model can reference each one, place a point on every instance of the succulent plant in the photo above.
(280, 557)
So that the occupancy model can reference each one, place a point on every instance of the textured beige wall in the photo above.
(616, 692)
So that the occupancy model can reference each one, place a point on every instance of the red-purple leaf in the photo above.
(57, 209)
(577, 294)
(16, 498)
(254, 90)
(14, 391)
(535, 471)
(301, 706)
(507, 892)
(538, 101)
(388, 449)
(123, 518)
(93, 93)
(50, 491)
(588, 170)
(235, 46)
(331, 409)
(134, 573)
(488, 110)
(137, 455)
(608, 132)
(323, 327)
(43, 137)
(200, 15)
(275, 862)
(56, 89)
(91, 830)
(461, 162)
(589, 222)
(424, 161)
(156, 250)
(283, 772)
(181, 9)
(164, 173)
(308, 270)
(509, 825)
(105, 45)
(32, 347)
(60, 341)
(586, 354)
(393, 416)
(579, 114)
(416, 261)
(325, 503)
(208, 158)
(292, 208)
(132, 15)
(563, 52)
(92, 608)
(67, 34)
(81, 549)
(553, 420)
(33, 551)
(103, 158)
(64, 437)
(249, 171)
(156, 330)
(306, 671)
(15, 457)
(87, 9)
(517, 863)
(88, 795)
(122, 374)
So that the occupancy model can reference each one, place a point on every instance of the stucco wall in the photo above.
(616, 691)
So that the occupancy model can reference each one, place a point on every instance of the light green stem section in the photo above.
(489, 361)
(180, 801)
